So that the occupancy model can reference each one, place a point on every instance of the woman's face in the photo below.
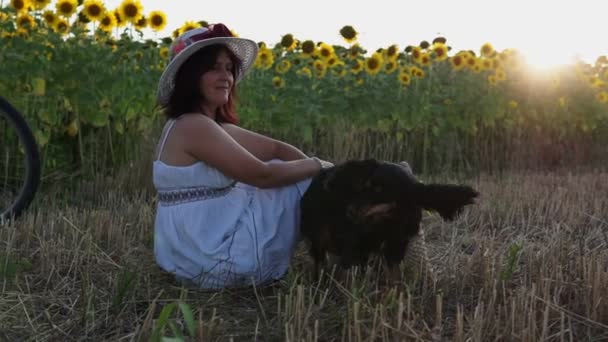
(216, 83)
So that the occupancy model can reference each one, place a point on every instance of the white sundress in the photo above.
(213, 232)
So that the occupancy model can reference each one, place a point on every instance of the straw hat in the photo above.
(191, 41)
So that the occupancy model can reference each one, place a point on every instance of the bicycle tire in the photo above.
(32, 162)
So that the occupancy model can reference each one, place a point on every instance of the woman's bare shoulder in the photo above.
(193, 122)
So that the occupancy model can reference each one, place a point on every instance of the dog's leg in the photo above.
(318, 260)
(394, 251)
(392, 273)
(333, 260)
(318, 255)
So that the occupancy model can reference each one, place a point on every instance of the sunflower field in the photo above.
(85, 77)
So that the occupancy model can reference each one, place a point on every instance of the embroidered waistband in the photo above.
(173, 197)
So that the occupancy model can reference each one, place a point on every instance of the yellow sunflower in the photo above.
(390, 66)
(107, 22)
(40, 4)
(333, 61)
(441, 51)
(20, 5)
(496, 63)
(487, 50)
(602, 97)
(94, 10)
(392, 52)
(486, 64)
(320, 68)
(354, 51)
(374, 63)
(278, 82)
(349, 34)
(66, 8)
(49, 18)
(471, 62)
(595, 82)
(26, 22)
(415, 71)
(142, 23)
(501, 75)
(120, 22)
(457, 62)
(478, 67)
(283, 66)
(425, 59)
(288, 42)
(339, 70)
(326, 51)
(405, 79)
(265, 59)
(187, 26)
(406, 69)
(131, 10)
(62, 26)
(157, 20)
(358, 66)
(308, 48)
(164, 52)
(492, 80)
(416, 54)
(305, 71)
(23, 33)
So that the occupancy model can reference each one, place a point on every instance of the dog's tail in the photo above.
(446, 199)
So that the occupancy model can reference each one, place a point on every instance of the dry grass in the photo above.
(528, 263)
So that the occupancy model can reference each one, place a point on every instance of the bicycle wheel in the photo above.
(19, 163)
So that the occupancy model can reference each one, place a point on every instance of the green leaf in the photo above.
(98, 118)
(399, 136)
(131, 114)
(162, 320)
(176, 331)
(42, 138)
(188, 317)
(119, 128)
(48, 116)
(172, 339)
(435, 130)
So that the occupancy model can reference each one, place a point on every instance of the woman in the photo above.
(228, 211)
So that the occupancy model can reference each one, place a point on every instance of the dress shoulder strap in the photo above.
(167, 129)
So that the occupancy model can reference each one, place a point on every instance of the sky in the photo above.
(547, 33)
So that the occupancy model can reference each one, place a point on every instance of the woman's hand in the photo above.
(324, 164)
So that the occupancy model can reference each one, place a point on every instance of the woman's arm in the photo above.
(263, 147)
(216, 147)
(286, 151)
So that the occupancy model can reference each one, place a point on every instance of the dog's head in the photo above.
(390, 182)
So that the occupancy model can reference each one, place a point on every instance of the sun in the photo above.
(541, 59)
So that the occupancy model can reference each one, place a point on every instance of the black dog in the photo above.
(365, 207)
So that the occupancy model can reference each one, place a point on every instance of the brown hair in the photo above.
(185, 96)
